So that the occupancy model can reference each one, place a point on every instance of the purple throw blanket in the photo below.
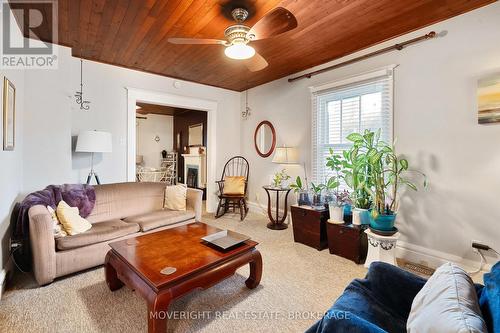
(75, 195)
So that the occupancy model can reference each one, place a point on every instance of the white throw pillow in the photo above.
(446, 304)
(175, 197)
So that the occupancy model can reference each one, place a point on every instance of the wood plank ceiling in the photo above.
(134, 33)
(146, 108)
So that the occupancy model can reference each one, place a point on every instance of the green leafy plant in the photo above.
(385, 172)
(332, 184)
(396, 172)
(335, 163)
(279, 177)
(297, 186)
(357, 168)
(317, 188)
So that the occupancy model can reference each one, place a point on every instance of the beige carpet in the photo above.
(298, 284)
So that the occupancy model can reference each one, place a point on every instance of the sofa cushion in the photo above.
(447, 303)
(100, 232)
(160, 218)
(118, 201)
(175, 197)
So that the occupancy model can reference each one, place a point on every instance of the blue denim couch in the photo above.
(381, 302)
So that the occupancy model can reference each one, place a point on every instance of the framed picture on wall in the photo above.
(9, 114)
(195, 135)
(488, 99)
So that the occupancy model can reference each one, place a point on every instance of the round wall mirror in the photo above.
(265, 139)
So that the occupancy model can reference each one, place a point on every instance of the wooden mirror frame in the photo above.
(273, 145)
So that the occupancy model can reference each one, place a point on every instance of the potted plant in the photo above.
(303, 195)
(357, 175)
(280, 179)
(331, 187)
(338, 209)
(342, 207)
(387, 172)
(317, 200)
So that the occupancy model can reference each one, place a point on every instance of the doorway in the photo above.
(198, 137)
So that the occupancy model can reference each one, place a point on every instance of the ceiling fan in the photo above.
(238, 36)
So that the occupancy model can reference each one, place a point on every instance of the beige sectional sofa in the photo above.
(121, 211)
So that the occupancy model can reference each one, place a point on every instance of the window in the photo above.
(352, 105)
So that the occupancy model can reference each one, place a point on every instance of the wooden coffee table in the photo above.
(137, 262)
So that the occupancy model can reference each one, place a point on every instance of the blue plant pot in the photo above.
(383, 222)
(347, 210)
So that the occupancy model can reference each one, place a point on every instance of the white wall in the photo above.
(435, 125)
(11, 164)
(147, 130)
(52, 118)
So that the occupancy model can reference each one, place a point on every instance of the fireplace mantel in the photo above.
(195, 159)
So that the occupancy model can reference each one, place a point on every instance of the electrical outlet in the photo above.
(478, 245)
(13, 245)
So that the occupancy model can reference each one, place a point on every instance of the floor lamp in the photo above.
(93, 142)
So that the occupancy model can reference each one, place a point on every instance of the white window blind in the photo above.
(353, 105)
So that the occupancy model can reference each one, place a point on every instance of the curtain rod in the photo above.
(398, 46)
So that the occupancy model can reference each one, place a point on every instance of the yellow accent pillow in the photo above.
(234, 185)
(58, 228)
(71, 220)
(175, 197)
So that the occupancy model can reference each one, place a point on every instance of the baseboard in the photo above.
(433, 258)
(256, 208)
(262, 210)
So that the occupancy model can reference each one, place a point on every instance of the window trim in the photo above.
(383, 71)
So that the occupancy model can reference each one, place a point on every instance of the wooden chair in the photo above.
(236, 166)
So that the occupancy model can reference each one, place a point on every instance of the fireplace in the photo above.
(195, 168)
(192, 176)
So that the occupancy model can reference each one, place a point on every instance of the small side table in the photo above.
(381, 248)
(277, 221)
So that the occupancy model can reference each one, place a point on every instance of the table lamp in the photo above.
(286, 155)
(93, 142)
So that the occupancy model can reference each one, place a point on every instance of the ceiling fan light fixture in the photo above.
(239, 51)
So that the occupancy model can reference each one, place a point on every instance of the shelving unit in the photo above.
(169, 164)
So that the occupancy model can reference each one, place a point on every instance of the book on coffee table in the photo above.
(225, 239)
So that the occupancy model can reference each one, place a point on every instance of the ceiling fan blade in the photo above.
(276, 22)
(193, 41)
(256, 63)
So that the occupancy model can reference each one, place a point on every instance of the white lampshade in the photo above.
(94, 142)
(286, 155)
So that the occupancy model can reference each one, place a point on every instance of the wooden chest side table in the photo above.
(309, 226)
(348, 241)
